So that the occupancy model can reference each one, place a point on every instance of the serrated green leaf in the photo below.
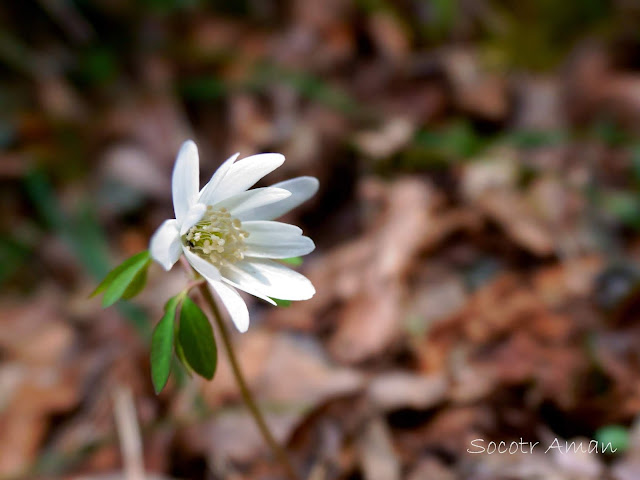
(117, 271)
(195, 336)
(137, 284)
(125, 277)
(295, 261)
(162, 345)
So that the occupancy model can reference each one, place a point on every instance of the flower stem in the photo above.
(244, 388)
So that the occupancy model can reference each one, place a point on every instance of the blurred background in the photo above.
(476, 230)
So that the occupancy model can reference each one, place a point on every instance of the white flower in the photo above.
(227, 234)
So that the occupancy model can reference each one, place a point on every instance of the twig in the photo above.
(129, 434)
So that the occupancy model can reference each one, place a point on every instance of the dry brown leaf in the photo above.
(490, 185)
(35, 332)
(37, 393)
(36, 381)
(377, 455)
(285, 370)
(476, 90)
(448, 430)
(434, 299)
(393, 136)
(366, 277)
(518, 219)
(395, 390)
(371, 319)
(431, 469)
(506, 335)
(290, 374)
(253, 350)
(573, 278)
(539, 104)
(368, 324)
(389, 35)
(233, 435)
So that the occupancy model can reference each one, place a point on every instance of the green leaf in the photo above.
(182, 359)
(162, 345)
(281, 303)
(295, 261)
(180, 353)
(137, 284)
(116, 283)
(615, 435)
(117, 271)
(195, 336)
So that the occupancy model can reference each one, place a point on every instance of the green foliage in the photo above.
(182, 360)
(295, 261)
(81, 232)
(442, 19)
(616, 435)
(281, 303)
(136, 285)
(625, 206)
(610, 133)
(536, 138)
(124, 281)
(195, 348)
(307, 85)
(442, 147)
(203, 88)
(97, 66)
(13, 254)
(537, 34)
(195, 336)
(457, 139)
(162, 345)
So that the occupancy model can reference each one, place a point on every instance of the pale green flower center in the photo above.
(218, 237)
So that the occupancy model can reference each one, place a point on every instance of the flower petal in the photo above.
(184, 183)
(192, 217)
(164, 246)
(244, 173)
(239, 279)
(275, 240)
(204, 268)
(293, 247)
(301, 188)
(276, 280)
(208, 192)
(262, 228)
(234, 304)
(245, 202)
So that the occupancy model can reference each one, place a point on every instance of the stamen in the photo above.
(217, 237)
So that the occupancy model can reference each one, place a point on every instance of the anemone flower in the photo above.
(227, 232)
